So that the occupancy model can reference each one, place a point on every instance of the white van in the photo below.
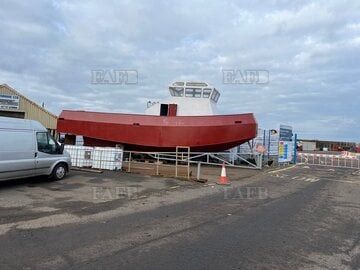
(27, 149)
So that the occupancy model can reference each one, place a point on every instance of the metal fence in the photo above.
(112, 158)
(179, 164)
(172, 164)
(213, 158)
(338, 161)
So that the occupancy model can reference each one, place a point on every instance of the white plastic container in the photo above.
(108, 158)
(81, 156)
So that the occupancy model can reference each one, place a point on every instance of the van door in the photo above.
(17, 153)
(47, 153)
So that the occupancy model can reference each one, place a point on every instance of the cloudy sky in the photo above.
(310, 49)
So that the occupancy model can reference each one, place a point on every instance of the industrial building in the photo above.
(319, 145)
(14, 104)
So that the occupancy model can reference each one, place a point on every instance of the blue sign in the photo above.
(285, 143)
(285, 133)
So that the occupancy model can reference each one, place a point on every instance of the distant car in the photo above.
(27, 149)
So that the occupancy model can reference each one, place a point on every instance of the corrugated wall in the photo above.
(31, 109)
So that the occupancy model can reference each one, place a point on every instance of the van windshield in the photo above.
(46, 143)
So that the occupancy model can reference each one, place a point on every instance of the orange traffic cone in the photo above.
(223, 178)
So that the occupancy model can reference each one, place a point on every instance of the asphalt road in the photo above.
(301, 218)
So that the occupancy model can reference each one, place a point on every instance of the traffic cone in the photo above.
(223, 178)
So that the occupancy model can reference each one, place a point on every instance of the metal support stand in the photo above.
(129, 167)
(177, 165)
(157, 165)
(198, 171)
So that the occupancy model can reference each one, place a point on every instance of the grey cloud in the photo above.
(310, 48)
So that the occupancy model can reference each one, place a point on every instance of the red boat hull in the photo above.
(159, 133)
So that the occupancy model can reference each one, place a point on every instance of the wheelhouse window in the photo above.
(197, 84)
(206, 92)
(46, 143)
(177, 91)
(193, 92)
(215, 95)
(179, 84)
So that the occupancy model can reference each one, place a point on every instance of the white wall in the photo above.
(309, 146)
(187, 106)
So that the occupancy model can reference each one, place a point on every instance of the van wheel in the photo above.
(59, 172)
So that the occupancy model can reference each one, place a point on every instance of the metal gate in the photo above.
(338, 161)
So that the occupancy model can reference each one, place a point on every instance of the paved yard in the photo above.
(295, 218)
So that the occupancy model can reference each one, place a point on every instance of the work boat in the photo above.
(186, 119)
